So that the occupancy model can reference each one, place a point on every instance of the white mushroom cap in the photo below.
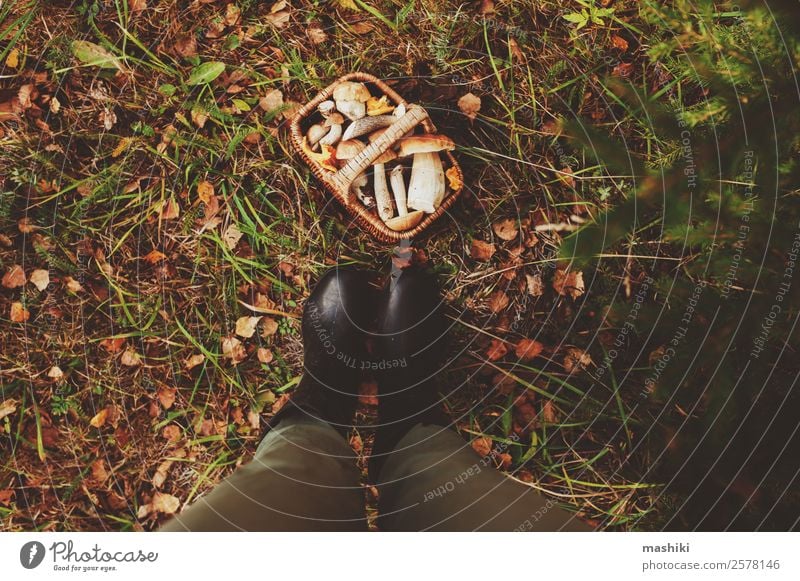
(350, 91)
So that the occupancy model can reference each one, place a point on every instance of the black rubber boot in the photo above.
(410, 350)
(336, 320)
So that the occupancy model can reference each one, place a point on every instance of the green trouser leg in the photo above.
(433, 480)
(303, 478)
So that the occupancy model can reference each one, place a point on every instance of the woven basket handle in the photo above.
(356, 166)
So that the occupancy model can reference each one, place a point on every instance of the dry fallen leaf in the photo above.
(481, 250)
(469, 105)
(154, 256)
(137, 5)
(6, 495)
(194, 361)
(498, 301)
(264, 355)
(497, 350)
(483, 446)
(164, 503)
(316, 34)
(7, 407)
(232, 14)
(166, 396)
(113, 344)
(528, 349)
(55, 372)
(99, 420)
(171, 433)
(40, 278)
(619, 43)
(271, 101)
(549, 412)
(535, 284)
(161, 473)
(576, 359)
(130, 358)
(269, 327)
(568, 283)
(186, 45)
(12, 60)
(231, 236)
(170, 210)
(233, 349)
(246, 326)
(15, 277)
(72, 285)
(506, 229)
(19, 314)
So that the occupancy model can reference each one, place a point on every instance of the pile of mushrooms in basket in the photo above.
(407, 181)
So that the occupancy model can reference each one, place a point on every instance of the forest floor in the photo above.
(159, 236)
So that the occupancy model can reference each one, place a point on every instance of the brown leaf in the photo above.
(246, 326)
(505, 460)
(498, 301)
(271, 101)
(166, 396)
(205, 191)
(506, 229)
(171, 433)
(576, 359)
(549, 412)
(483, 446)
(269, 327)
(186, 45)
(15, 277)
(469, 105)
(194, 360)
(486, 7)
(233, 349)
(72, 285)
(568, 283)
(161, 473)
(7, 407)
(278, 19)
(98, 472)
(137, 5)
(19, 314)
(113, 344)
(497, 350)
(170, 210)
(40, 278)
(623, 70)
(130, 358)
(24, 95)
(481, 250)
(5, 496)
(528, 349)
(164, 503)
(619, 43)
(231, 236)
(264, 355)
(535, 284)
(316, 34)
(232, 14)
(154, 256)
(55, 372)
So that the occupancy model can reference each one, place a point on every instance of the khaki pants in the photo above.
(304, 478)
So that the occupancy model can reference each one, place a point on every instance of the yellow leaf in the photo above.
(348, 4)
(246, 326)
(100, 419)
(12, 60)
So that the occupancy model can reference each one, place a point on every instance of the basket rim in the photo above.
(366, 219)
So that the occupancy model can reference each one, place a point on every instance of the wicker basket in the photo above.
(338, 183)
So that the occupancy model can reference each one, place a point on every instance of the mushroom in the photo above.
(368, 125)
(401, 223)
(398, 189)
(382, 198)
(315, 133)
(426, 143)
(348, 149)
(326, 108)
(351, 99)
(358, 186)
(334, 121)
(426, 187)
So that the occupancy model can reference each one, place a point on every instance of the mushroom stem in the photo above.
(382, 198)
(332, 137)
(398, 189)
(426, 187)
